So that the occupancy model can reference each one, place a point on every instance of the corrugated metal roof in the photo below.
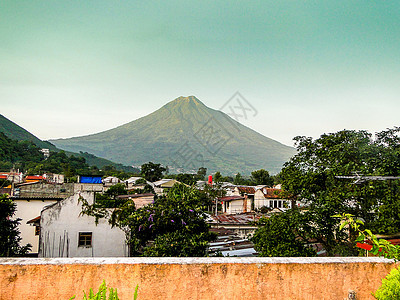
(134, 196)
(235, 219)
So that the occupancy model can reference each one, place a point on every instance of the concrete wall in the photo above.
(44, 189)
(61, 223)
(194, 278)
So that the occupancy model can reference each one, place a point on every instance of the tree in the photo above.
(186, 178)
(9, 233)
(281, 235)
(238, 179)
(261, 177)
(201, 173)
(312, 176)
(174, 225)
(217, 177)
(152, 172)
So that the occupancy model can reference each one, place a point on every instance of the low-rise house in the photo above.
(246, 191)
(162, 186)
(65, 232)
(134, 183)
(235, 204)
(31, 198)
(140, 200)
(271, 198)
(12, 176)
(54, 178)
(111, 180)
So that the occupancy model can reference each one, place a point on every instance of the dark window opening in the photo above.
(85, 239)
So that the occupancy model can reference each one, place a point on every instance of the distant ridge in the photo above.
(16, 132)
(185, 134)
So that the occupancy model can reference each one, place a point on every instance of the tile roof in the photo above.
(246, 189)
(270, 193)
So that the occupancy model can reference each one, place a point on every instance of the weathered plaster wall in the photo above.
(194, 278)
(61, 223)
(27, 210)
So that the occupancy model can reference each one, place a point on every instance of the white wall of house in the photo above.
(236, 206)
(61, 225)
(28, 210)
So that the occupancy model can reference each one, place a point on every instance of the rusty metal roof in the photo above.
(230, 198)
(245, 218)
(34, 220)
(134, 196)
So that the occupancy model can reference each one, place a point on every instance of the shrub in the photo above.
(102, 293)
(390, 288)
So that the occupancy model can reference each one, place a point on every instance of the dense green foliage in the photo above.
(173, 226)
(189, 179)
(19, 154)
(112, 168)
(311, 175)
(390, 288)
(262, 177)
(185, 134)
(152, 172)
(9, 233)
(268, 239)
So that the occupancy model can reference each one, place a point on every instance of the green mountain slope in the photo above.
(16, 132)
(185, 135)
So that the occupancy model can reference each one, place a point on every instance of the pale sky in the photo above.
(71, 68)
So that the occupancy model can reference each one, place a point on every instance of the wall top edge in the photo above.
(191, 260)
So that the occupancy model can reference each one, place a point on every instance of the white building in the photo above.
(64, 232)
(271, 198)
(28, 209)
(235, 204)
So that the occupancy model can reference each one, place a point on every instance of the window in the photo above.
(85, 239)
(37, 230)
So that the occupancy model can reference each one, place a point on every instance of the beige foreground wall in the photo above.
(194, 278)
